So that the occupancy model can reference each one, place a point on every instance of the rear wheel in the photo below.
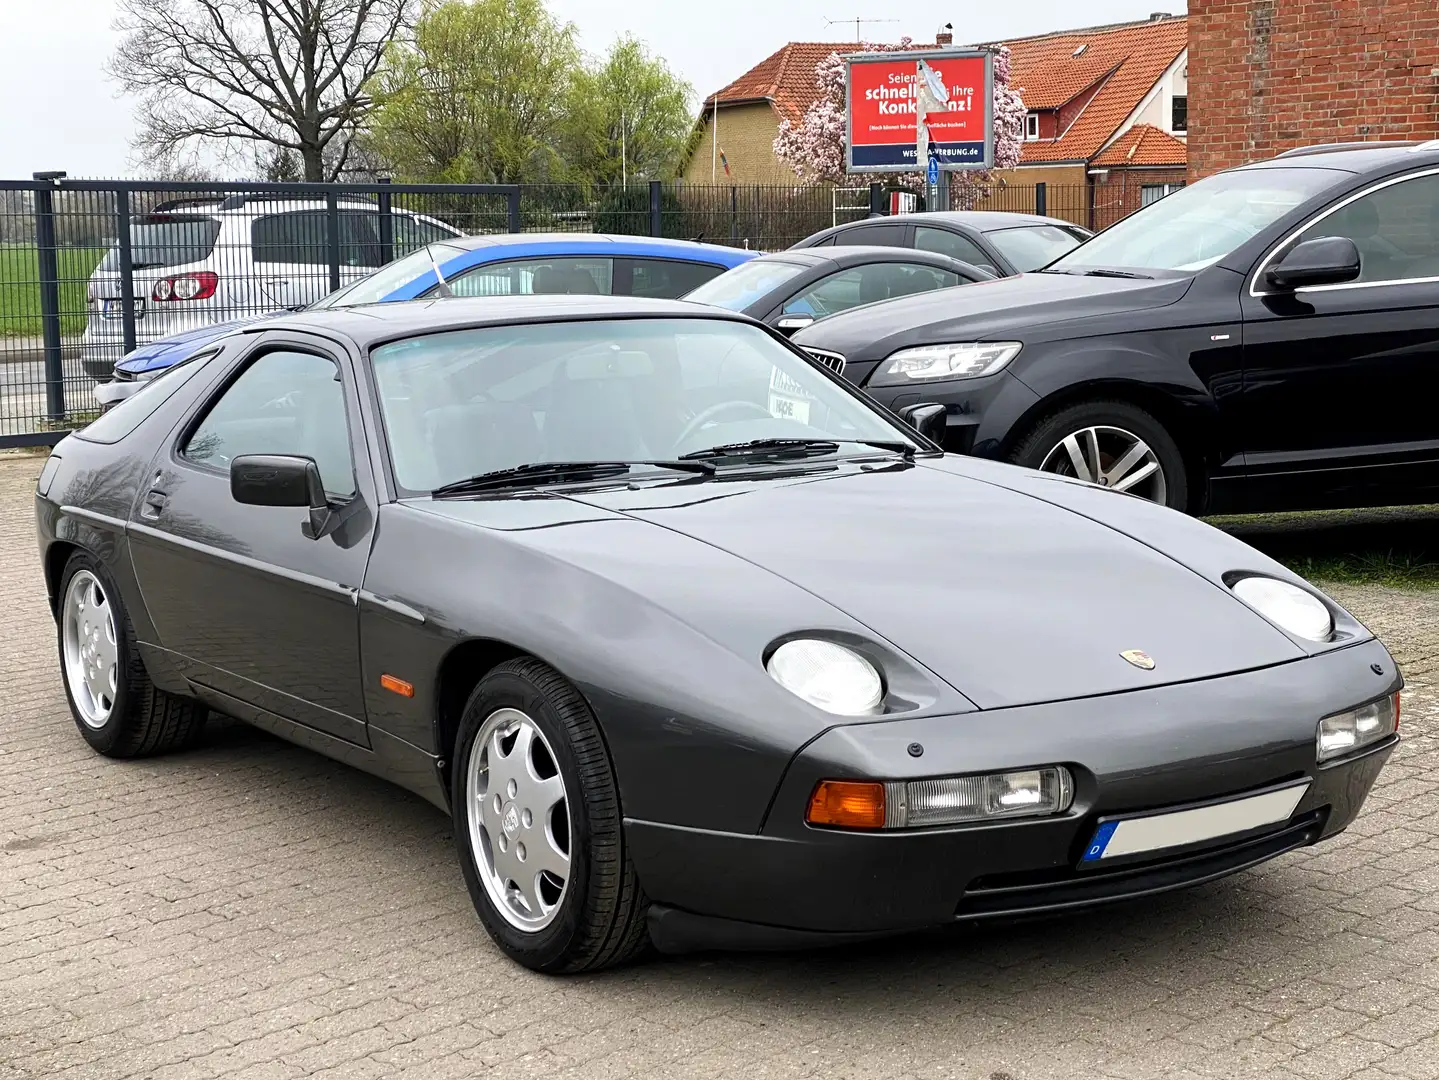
(118, 710)
(1110, 444)
(537, 823)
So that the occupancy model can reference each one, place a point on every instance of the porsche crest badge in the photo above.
(1139, 658)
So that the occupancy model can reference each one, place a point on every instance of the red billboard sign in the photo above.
(883, 96)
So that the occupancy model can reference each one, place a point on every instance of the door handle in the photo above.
(154, 504)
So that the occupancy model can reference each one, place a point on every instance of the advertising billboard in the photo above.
(883, 95)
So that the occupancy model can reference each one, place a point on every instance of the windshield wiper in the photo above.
(558, 472)
(791, 448)
(1116, 273)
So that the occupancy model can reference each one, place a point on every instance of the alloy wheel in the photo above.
(92, 651)
(519, 817)
(1109, 457)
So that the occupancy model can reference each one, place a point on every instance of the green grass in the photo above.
(20, 288)
(1396, 547)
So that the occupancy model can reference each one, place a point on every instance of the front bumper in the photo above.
(979, 413)
(1178, 745)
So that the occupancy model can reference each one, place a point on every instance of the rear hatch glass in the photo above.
(166, 241)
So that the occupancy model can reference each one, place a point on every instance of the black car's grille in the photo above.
(832, 360)
(1032, 893)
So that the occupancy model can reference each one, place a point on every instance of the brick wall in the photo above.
(1269, 75)
(746, 135)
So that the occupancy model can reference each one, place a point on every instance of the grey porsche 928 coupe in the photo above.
(698, 646)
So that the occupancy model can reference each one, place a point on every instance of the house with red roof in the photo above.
(1105, 131)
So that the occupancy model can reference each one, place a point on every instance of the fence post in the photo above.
(733, 215)
(332, 236)
(1041, 199)
(876, 198)
(516, 224)
(387, 222)
(656, 218)
(49, 293)
(127, 267)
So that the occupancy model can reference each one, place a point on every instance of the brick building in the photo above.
(1270, 75)
(1106, 127)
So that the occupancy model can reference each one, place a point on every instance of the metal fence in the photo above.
(89, 269)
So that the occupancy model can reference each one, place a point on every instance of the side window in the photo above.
(1396, 230)
(284, 402)
(360, 239)
(665, 279)
(951, 244)
(867, 285)
(877, 235)
(525, 277)
(125, 417)
(299, 237)
(412, 233)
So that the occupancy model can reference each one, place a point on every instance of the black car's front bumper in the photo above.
(792, 885)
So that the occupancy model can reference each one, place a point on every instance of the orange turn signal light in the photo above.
(847, 804)
(397, 686)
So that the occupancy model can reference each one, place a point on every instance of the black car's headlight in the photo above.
(828, 676)
(1287, 606)
(962, 360)
(1354, 729)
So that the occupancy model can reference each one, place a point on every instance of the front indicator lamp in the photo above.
(1347, 732)
(953, 800)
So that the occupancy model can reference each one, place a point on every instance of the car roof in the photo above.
(854, 254)
(982, 220)
(371, 324)
(621, 244)
(1354, 157)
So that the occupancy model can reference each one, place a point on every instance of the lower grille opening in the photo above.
(1054, 890)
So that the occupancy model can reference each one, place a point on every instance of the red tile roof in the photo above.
(1048, 74)
(1144, 144)
(786, 77)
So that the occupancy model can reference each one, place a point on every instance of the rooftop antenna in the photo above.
(857, 21)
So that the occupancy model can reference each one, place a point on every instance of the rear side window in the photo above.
(411, 233)
(664, 279)
(526, 277)
(951, 244)
(303, 237)
(112, 426)
(167, 241)
(877, 235)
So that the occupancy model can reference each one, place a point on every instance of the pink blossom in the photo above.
(814, 147)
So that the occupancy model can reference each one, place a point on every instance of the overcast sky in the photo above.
(62, 113)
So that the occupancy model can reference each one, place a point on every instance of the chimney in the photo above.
(1159, 16)
(945, 36)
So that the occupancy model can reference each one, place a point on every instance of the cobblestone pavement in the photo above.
(252, 910)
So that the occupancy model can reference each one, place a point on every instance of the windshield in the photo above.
(740, 287)
(167, 242)
(467, 402)
(1201, 223)
(1033, 246)
(377, 286)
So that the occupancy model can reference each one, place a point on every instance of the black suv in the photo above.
(1264, 339)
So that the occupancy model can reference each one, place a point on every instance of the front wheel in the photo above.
(1110, 444)
(538, 825)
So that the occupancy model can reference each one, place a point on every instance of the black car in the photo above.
(1264, 339)
(691, 640)
(997, 241)
(792, 289)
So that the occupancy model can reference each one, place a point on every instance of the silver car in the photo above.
(198, 262)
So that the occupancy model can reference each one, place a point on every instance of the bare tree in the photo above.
(291, 74)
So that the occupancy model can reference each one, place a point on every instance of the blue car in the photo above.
(509, 264)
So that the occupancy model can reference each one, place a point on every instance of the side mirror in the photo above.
(1325, 260)
(790, 324)
(928, 419)
(283, 480)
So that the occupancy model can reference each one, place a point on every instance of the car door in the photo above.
(958, 246)
(664, 279)
(250, 606)
(1335, 408)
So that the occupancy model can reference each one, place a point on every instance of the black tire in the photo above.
(143, 720)
(600, 921)
(1050, 432)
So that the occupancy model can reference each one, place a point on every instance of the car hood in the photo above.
(1009, 598)
(985, 311)
(170, 350)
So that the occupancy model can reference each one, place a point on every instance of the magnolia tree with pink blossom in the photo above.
(814, 147)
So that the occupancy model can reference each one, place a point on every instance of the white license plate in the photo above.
(1133, 836)
(787, 398)
(115, 309)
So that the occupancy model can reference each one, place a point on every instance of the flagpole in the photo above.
(714, 144)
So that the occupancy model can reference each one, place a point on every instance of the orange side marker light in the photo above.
(397, 686)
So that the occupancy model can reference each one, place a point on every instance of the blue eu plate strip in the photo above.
(1100, 842)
